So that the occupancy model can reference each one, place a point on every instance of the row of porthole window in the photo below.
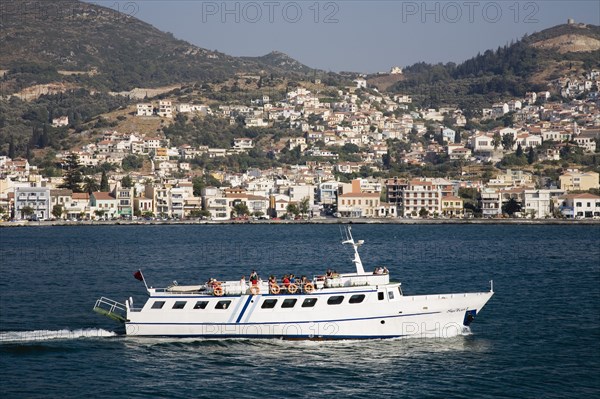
(267, 303)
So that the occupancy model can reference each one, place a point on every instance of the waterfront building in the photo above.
(32, 203)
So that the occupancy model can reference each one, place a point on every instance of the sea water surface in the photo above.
(538, 337)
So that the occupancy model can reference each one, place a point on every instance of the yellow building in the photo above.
(452, 206)
(573, 180)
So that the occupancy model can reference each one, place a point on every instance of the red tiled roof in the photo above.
(360, 195)
(101, 195)
(582, 195)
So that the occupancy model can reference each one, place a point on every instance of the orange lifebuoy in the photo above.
(275, 289)
(309, 288)
(218, 290)
(292, 288)
(255, 290)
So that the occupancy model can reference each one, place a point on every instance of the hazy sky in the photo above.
(361, 36)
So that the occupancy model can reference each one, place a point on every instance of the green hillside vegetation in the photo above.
(493, 75)
(114, 51)
(26, 126)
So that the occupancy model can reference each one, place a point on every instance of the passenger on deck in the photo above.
(254, 277)
(243, 282)
(385, 270)
(329, 273)
(292, 279)
(286, 281)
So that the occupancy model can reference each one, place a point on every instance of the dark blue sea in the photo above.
(538, 337)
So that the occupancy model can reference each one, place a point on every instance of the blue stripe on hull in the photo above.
(244, 309)
(284, 322)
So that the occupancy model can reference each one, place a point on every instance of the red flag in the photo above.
(138, 275)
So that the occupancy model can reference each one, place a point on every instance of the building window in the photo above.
(223, 304)
(288, 303)
(269, 304)
(158, 304)
(578, 204)
(179, 305)
(335, 300)
(201, 305)
(356, 298)
(309, 302)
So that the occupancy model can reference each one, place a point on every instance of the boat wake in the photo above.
(9, 337)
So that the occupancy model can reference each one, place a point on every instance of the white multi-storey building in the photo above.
(32, 203)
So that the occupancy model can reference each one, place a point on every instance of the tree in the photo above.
(293, 209)
(241, 209)
(531, 156)
(127, 182)
(519, 150)
(511, 207)
(11, 148)
(90, 185)
(304, 206)
(99, 213)
(57, 211)
(26, 212)
(198, 184)
(104, 182)
(423, 213)
(496, 140)
(73, 177)
(508, 141)
(132, 162)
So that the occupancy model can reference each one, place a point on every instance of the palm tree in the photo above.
(304, 206)
(90, 185)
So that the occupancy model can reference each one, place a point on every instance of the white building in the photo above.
(540, 203)
(580, 206)
(32, 199)
(145, 109)
(165, 109)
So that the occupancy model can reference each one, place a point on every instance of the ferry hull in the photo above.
(439, 316)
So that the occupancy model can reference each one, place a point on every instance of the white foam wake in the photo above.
(46, 335)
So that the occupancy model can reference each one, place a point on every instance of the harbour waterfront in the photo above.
(538, 337)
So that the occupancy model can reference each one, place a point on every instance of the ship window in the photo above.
(158, 304)
(222, 304)
(335, 300)
(391, 294)
(380, 296)
(309, 302)
(201, 305)
(288, 303)
(179, 305)
(268, 304)
(357, 298)
(400, 291)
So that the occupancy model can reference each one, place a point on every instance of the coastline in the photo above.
(570, 222)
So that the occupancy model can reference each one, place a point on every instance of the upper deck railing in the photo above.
(319, 282)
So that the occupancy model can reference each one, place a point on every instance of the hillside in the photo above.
(511, 70)
(99, 48)
(277, 59)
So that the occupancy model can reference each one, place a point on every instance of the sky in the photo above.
(359, 36)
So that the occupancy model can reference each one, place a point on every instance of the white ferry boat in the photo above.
(356, 305)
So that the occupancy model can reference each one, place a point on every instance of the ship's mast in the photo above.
(348, 239)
